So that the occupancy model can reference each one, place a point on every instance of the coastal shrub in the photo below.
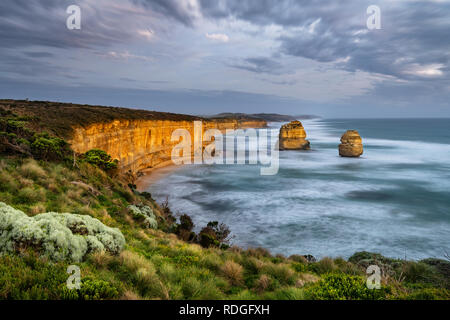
(347, 267)
(46, 147)
(252, 264)
(298, 258)
(29, 196)
(145, 215)
(343, 287)
(60, 236)
(366, 259)
(90, 290)
(215, 235)
(442, 267)
(100, 159)
(211, 261)
(233, 272)
(100, 259)
(419, 272)
(390, 268)
(29, 277)
(289, 293)
(192, 288)
(281, 272)
(186, 223)
(429, 294)
(306, 278)
(258, 252)
(184, 229)
(325, 265)
(264, 283)
(31, 169)
(207, 238)
(130, 295)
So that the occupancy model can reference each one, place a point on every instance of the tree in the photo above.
(215, 235)
(100, 159)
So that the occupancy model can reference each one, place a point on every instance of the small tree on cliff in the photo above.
(215, 235)
(184, 229)
(100, 159)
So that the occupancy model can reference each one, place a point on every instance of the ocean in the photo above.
(394, 200)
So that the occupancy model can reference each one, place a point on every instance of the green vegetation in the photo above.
(60, 236)
(144, 214)
(159, 256)
(16, 137)
(100, 159)
(344, 287)
(158, 264)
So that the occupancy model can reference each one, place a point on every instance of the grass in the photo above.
(156, 264)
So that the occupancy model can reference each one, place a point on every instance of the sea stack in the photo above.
(293, 137)
(351, 145)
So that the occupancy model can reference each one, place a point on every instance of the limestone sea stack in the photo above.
(293, 137)
(351, 145)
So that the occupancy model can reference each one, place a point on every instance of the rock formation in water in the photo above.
(351, 145)
(293, 137)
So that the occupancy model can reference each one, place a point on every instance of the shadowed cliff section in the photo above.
(139, 139)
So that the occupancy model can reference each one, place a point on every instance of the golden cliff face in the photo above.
(351, 144)
(293, 137)
(143, 144)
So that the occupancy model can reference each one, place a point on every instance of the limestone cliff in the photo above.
(143, 144)
(293, 137)
(351, 144)
(139, 139)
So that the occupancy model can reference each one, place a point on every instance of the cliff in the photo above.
(293, 137)
(143, 144)
(139, 139)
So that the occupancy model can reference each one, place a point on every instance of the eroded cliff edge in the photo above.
(139, 139)
(143, 144)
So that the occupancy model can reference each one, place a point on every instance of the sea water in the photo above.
(394, 200)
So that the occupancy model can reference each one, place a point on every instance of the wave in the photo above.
(394, 200)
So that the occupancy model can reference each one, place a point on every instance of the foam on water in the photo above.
(394, 200)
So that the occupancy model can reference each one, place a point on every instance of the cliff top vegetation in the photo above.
(60, 118)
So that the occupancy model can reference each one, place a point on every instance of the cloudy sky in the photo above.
(210, 56)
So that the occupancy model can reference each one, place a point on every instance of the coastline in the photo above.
(151, 175)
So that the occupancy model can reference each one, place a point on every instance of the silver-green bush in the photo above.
(60, 236)
(144, 213)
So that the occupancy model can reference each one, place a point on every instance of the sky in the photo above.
(210, 56)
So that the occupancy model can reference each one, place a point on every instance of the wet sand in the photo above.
(153, 175)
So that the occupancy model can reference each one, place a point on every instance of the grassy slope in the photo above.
(156, 265)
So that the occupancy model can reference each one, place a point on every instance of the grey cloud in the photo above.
(171, 8)
(281, 82)
(146, 81)
(39, 54)
(43, 23)
(417, 30)
(266, 12)
(28, 67)
(260, 65)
